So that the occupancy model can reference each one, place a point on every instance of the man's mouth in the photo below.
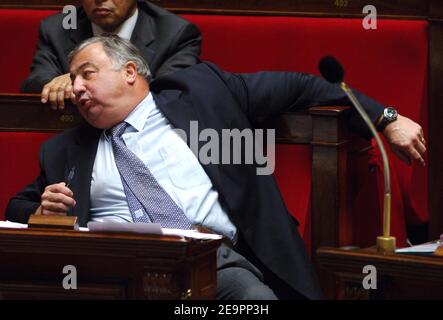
(102, 11)
(84, 103)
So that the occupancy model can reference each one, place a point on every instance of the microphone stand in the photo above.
(385, 243)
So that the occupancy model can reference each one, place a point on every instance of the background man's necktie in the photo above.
(147, 200)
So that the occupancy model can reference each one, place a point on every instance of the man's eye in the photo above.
(87, 74)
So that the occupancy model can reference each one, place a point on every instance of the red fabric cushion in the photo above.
(19, 162)
(19, 35)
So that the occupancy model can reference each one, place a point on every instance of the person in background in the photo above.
(166, 41)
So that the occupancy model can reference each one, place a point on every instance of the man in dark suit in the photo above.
(267, 259)
(167, 42)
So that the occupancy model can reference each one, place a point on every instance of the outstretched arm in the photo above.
(267, 94)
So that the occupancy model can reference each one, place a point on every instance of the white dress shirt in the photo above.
(124, 31)
(152, 138)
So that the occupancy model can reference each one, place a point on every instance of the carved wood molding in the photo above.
(420, 268)
(111, 265)
(160, 285)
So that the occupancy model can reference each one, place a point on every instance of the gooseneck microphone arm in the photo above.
(368, 121)
(333, 72)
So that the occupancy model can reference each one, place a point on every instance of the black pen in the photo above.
(70, 177)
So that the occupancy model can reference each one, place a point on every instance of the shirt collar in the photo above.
(124, 31)
(139, 116)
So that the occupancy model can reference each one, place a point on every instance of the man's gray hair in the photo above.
(119, 50)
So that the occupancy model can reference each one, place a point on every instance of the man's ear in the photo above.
(130, 71)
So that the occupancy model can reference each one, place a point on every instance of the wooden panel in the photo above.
(338, 8)
(25, 112)
(329, 164)
(436, 129)
(293, 128)
(137, 266)
(300, 7)
(23, 290)
(398, 276)
(435, 9)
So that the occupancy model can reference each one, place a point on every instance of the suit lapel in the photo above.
(143, 35)
(82, 156)
(83, 31)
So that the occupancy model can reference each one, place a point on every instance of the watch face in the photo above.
(390, 114)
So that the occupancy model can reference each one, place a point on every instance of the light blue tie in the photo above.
(147, 200)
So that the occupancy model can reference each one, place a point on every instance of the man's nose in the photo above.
(78, 86)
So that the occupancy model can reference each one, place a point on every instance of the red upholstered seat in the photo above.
(389, 64)
(19, 33)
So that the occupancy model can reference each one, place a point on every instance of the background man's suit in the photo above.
(217, 100)
(166, 41)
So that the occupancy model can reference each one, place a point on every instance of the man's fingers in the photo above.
(45, 92)
(53, 99)
(414, 154)
(420, 146)
(56, 91)
(54, 206)
(406, 139)
(68, 91)
(403, 156)
(59, 188)
(61, 97)
(58, 198)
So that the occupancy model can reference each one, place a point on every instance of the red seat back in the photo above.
(19, 34)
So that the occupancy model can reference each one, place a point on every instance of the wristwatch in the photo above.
(389, 115)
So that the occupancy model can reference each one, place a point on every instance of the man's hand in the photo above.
(57, 90)
(406, 139)
(56, 200)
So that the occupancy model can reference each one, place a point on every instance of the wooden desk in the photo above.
(109, 266)
(399, 276)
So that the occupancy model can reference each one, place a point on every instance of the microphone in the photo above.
(333, 72)
(331, 69)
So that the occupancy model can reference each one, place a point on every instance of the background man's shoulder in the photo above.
(160, 14)
(56, 19)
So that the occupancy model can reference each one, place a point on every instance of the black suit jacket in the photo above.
(217, 100)
(166, 41)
